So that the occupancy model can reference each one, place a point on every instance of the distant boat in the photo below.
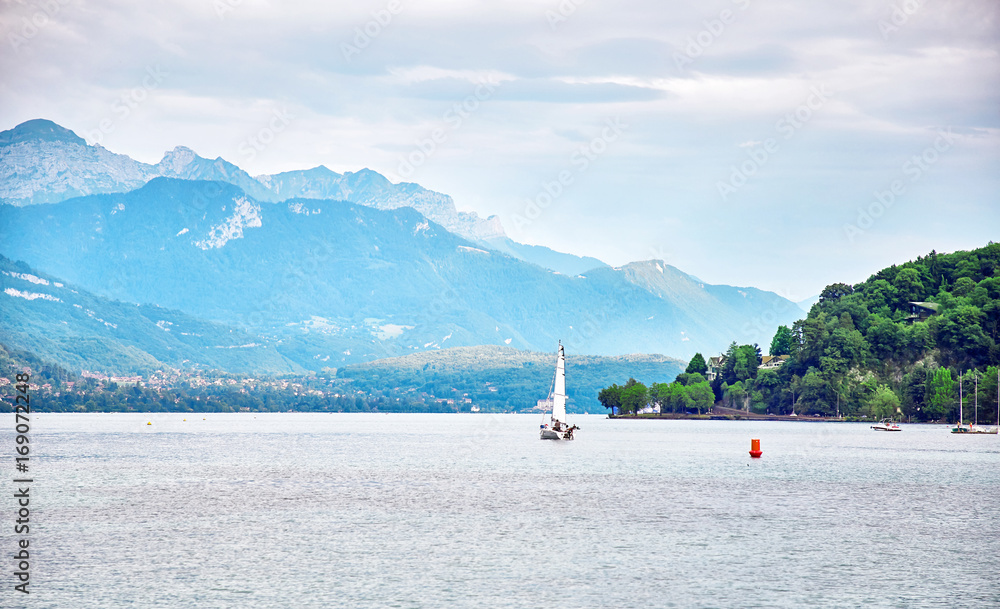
(557, 428)
(886, 425)
(974, 429)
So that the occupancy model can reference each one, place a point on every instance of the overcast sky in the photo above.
(742, 141)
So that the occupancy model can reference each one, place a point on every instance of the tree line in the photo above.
(688, 392)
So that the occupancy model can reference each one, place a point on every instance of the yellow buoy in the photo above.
(149, 423)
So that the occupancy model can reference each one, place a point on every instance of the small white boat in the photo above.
(886, 425)
(557, 428)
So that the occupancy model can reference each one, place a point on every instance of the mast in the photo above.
(977, 399)
(960, 417)
(559, 390)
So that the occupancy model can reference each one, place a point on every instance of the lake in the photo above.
(374, 510)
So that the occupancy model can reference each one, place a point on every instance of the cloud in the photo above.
(891, 90)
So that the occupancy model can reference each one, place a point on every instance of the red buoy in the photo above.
(755, 450)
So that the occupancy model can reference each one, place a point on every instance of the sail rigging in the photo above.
(559, 388)
(557, 428)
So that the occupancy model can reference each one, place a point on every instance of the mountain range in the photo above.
(348, 268)
(63, 323)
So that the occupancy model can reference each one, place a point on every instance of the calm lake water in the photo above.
(370, 510)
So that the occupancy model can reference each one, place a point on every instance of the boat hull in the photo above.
(551, 434)
(974, 429)
(886, 425)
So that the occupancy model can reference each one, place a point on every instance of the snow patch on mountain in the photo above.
(390, 331)
(30, 295)
(246, 214)
(29, 278)
(298, 208)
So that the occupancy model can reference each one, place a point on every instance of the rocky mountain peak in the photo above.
(175, 161)
(39, 129)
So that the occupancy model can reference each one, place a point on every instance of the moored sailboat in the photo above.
(557, 428)
(976, 428)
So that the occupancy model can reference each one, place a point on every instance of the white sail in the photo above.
(559, 391)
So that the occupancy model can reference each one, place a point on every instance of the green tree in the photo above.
(835, 291)
(885, 337)
(737, 396)
(746, 362)
(914, 392)
(882, 297)
(884, 404)
(908, 286)
(685, 378)
(675, 398)
(701, 396)
(963, 286)
(768, 384)
(611, 397)
(960, 330)
(697, 365)
(815, 395)
(634, 396)
(727, 372)
(781, 344)
(940, 394)
(988, 396)
(916, 339)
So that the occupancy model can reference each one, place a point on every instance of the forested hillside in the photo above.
(861, 342)
(894, 345)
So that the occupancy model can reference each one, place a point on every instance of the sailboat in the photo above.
(557, 428)
(976, 428)
(959, 428)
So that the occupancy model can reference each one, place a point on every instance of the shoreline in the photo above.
(729, 414)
